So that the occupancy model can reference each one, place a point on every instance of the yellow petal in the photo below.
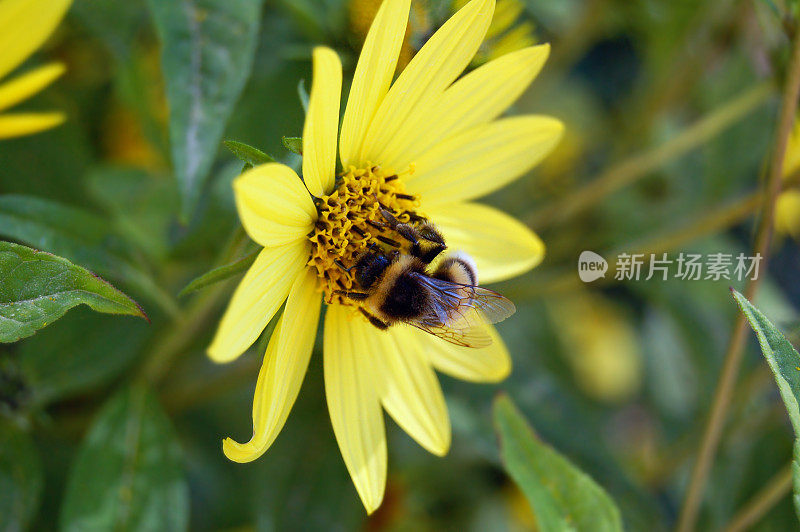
(17, 90)
(374, 72)
(791, 161)
(284, 367)
(516, 39)
(24, 26)
(483, 158)
(501, 246)
(352, 384)
(486, 364)
(412, 394)
(274, 206)
(421, 84)
(505, 14)
(787, 213)
(20, 124)
(477, 98)
(322, 122)
(261, 292)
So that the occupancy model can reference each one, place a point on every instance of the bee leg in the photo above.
(355, 296)
(378, 225)
(388, 241)
(389, 217)
(373, 320)
(342, 266)
(404, 230)
(407, 232)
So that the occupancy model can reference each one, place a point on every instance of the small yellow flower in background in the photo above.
(362, 13)
(423, 148)
(24, 26)
(787, 208)
(123, 129)
(506, 33)
(787, 214)
(601, 346)
(520, 513)
(125, 142)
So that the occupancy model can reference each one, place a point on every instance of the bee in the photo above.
(396, 287)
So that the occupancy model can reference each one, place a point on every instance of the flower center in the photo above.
(350, 221)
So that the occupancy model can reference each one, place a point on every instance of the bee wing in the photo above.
(458, 313)
(493, 307)
(473, 336)
(452, 301)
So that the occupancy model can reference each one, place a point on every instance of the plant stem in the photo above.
(192, 321)
(193, 318)
(641, 165)
(733, 356)
(762, 502)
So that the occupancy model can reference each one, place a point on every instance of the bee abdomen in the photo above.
(406, 298)
(458, 268)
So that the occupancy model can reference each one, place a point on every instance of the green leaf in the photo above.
(38, 288)
(293, 144)
(128, 473)
(77, 234)
(81, 237)
(21, 478)
(220, 274)
(784, 362)
(248, 154)
(207, 53)
(115, 23)
(562, 496)
(141, 207)
(302, 93)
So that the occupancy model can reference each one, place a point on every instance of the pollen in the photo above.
(350, 222)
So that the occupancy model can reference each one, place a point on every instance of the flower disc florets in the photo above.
(350, 221)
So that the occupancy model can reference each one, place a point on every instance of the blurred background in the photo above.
(670, 110)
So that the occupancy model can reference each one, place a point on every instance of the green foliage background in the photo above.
(138, 191)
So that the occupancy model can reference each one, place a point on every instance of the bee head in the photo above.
(428, 244)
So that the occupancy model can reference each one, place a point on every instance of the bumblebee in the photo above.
(448, 303)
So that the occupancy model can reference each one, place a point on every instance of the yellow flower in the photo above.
(506, 34)
(787, 208)
(787, 214)
(24, 26)
(427, 142)
(601, 346)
